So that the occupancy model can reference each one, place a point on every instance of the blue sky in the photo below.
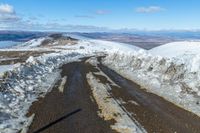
(98, 15)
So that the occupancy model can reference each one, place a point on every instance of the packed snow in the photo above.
(175, 77)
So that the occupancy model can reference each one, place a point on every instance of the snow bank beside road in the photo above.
(171, 78)
(23, 85)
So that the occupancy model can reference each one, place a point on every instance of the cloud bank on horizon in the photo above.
(98, 15)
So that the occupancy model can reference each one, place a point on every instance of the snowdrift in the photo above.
(175, 79)
(23, 85)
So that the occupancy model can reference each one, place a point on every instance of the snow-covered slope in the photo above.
(177, 49)
(32, 43)
(100, 46)
(168, 71)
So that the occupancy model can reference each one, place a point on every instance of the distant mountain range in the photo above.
(142, 39)
(146, 40)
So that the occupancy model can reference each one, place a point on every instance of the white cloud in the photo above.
(10, 20)
(7, 14)
(6, 9)
(150, 9)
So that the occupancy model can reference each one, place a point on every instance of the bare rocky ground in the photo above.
(13, 57)
(58, 40)
(154, 113)
(50, 45)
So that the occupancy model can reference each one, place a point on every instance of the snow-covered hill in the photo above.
(186, 52)
(177, 49)
(171, 71)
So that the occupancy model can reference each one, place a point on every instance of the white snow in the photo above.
(92, 46)
(32, 43)
(174, 76)
(25, 83)
(62, 84)
(4, 68)
(177, 49)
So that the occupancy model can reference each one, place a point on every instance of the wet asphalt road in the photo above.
(154, 113)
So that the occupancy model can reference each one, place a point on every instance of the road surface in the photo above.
(153, 113)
